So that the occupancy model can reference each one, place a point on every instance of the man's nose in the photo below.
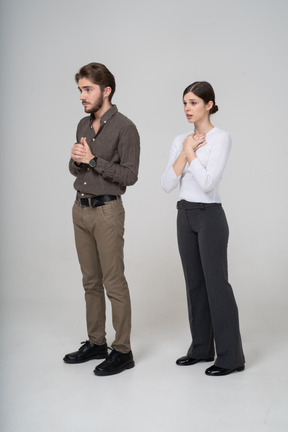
(82, 97)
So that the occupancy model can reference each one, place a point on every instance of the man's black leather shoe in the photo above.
(115, 363)
(88, 351)
(188, 361)
(217, 371)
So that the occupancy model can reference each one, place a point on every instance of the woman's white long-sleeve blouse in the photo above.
(199, 182)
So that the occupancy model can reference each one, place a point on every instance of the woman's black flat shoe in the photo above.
(188, 361)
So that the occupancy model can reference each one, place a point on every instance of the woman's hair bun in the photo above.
(214, 109)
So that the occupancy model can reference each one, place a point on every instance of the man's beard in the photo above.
(96, 106)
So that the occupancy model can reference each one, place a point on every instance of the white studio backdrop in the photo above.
(154, 49)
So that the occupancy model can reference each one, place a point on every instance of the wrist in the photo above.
(189, 152)
(183, 155)
(190, 155)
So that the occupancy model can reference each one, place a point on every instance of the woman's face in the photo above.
(195, 108)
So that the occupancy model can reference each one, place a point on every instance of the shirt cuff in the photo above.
(100, 166)
(78, 167)
(170, 180)
(195, 165)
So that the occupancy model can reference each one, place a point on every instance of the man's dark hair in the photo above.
(98, 74)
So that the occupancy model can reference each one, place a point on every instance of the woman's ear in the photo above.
(209, 105)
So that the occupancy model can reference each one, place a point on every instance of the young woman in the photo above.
(196, 162)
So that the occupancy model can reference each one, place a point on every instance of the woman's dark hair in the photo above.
(205, 91)
(98, 74)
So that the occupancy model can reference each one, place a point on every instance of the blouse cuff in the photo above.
(170, 180)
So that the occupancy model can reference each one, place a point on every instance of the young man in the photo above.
(105, 159)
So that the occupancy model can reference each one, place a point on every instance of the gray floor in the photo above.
(41, 393)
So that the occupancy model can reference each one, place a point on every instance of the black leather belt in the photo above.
(96, 201)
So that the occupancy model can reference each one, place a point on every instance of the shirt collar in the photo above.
(106, 116)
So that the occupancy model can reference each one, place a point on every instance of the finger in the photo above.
(77, 147)
(78, 154)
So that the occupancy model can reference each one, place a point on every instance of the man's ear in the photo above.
(107, 91)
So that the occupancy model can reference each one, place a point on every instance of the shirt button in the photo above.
(82, 194)
(85, 183)
(105, 121)
(88, 169)
(93, 139)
